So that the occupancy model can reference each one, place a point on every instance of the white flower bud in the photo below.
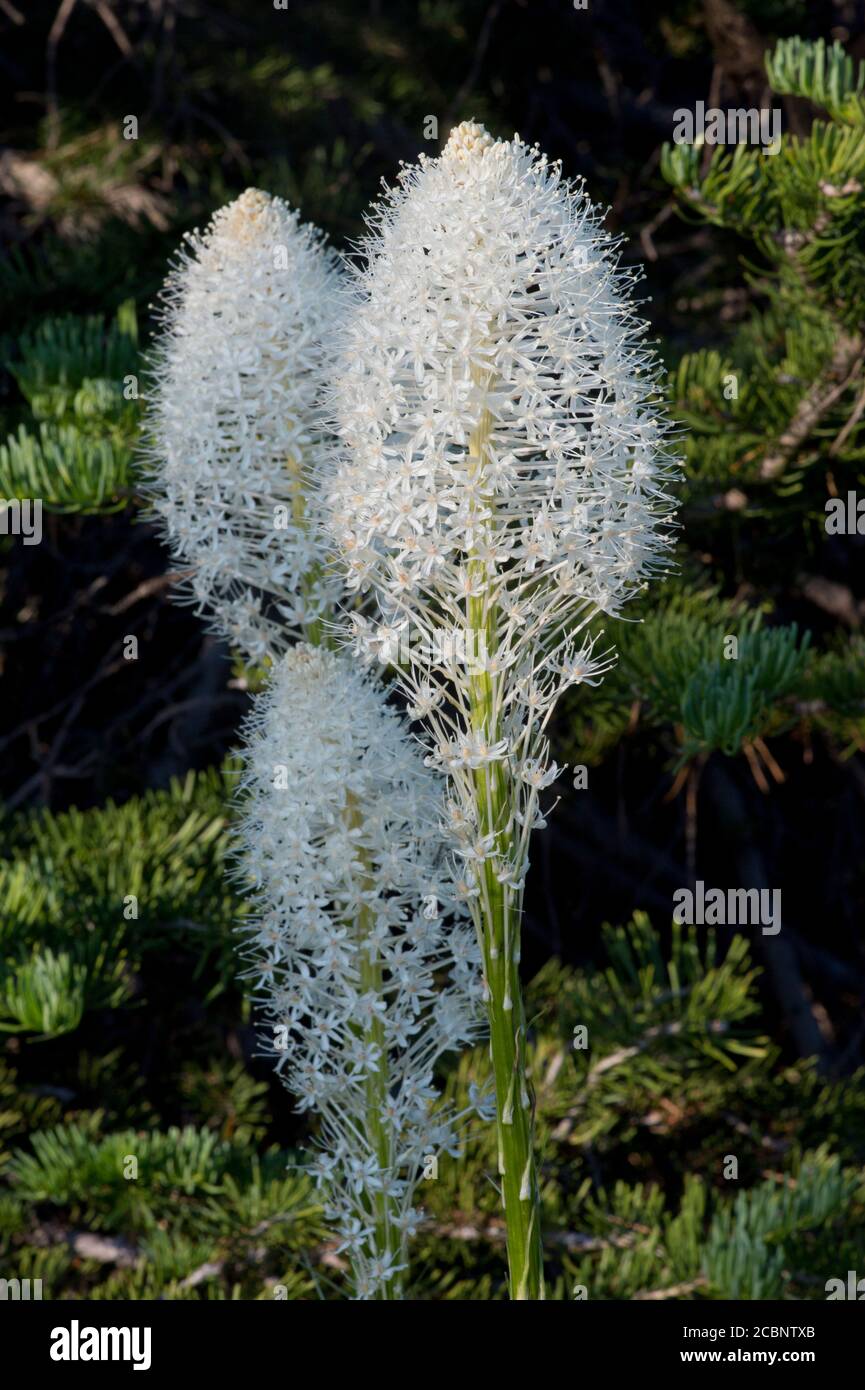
(234, 431)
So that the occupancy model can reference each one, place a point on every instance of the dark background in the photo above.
(318, 103)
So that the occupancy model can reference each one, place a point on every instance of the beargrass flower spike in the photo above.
(358, 952)
(501, 480)
(362, 955)
(233, 434)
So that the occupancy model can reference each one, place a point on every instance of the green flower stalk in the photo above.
(501, 480)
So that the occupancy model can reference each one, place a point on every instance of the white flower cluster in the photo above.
(495, 473)
(359, 956)
(234, 436)
(502, 469)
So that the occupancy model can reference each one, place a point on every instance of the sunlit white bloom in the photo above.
(234, 434)
(503, 467)
(382, 962)
(500, 475)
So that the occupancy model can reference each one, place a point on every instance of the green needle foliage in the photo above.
(686, 1151)
(769, 414)
(78, 378)
(825, 75)
(675, 1078)
(86, 896)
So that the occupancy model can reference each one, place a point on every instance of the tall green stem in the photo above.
(500, 909)
(387, 1235)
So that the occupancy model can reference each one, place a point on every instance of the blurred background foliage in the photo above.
(145, 1149)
